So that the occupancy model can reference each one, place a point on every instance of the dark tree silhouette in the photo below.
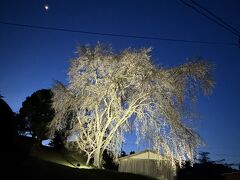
(132, 152)
(11, 152)
(123, 153)
(7, 126)
(36, 113)
(108, 161)
(57, 142)
(206, 169)
(204, 158)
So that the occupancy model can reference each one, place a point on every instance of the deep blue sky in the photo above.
(32, 59)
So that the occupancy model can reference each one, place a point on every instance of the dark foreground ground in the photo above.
(23, 162)
(36, 169)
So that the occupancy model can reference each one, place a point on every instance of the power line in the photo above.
(217, 17)
(115, 35)
(223, 24)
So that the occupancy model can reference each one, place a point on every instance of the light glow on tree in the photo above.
(110, 94)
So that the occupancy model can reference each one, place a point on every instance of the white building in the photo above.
(147, 163)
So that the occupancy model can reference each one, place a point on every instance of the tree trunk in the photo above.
(39, 142)
(88, 160)
(98, 158)
(34, 135)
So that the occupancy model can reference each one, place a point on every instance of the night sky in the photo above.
(31, 59)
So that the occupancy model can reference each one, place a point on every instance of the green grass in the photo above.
(63, 158)
(46, 164)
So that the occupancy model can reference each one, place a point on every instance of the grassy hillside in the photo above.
(65, 158)
(47, 164)
(36, 169)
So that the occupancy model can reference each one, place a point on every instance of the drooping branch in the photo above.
(106, 89)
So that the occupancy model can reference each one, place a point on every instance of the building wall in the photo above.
(147, 155)
(157, 169)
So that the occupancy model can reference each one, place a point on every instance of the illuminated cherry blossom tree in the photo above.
(110, 94)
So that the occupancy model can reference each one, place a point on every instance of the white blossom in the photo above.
(107, 91)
